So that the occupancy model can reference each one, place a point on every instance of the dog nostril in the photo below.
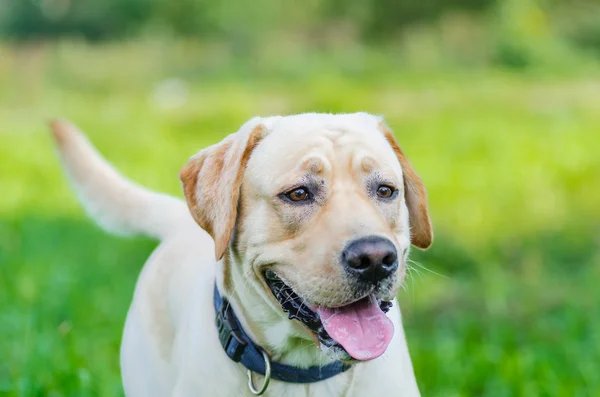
(389, 259)
(365, 262)
(358, 262)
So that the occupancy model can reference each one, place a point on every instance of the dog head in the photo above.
(319, 211)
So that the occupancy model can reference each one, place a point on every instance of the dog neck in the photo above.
(286, 341)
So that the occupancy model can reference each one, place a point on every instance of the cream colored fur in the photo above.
(170, 346)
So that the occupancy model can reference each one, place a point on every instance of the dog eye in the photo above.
(298, 194)
(385, 191)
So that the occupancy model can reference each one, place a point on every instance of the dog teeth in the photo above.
(290, 302)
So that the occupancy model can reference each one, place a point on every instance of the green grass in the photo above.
(511, 162)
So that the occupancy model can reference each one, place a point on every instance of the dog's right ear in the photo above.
(212, 179)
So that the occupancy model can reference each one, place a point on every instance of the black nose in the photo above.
(370, 258)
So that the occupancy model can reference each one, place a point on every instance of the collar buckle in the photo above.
(230, 334)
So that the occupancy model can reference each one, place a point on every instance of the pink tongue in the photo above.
(361, 328)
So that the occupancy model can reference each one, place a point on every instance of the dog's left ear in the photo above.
(212, 179)
(415, 195)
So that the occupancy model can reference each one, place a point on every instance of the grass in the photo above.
(511, 163)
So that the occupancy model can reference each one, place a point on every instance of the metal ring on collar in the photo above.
(267, 376)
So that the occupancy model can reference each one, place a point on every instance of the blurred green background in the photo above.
(497, 104)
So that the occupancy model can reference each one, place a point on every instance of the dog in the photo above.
(279, 272)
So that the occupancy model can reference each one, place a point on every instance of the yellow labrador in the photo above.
(306, 223)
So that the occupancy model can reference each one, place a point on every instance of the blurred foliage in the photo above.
(112, 18)
(90, 18)
(517, 34)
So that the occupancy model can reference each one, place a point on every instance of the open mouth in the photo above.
(360, 329)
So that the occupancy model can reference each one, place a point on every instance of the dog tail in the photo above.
(115, 203)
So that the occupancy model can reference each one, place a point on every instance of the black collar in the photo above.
(240, 348)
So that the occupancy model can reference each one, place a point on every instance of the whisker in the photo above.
(425, 268)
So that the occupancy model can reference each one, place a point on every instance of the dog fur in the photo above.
(170, 345)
